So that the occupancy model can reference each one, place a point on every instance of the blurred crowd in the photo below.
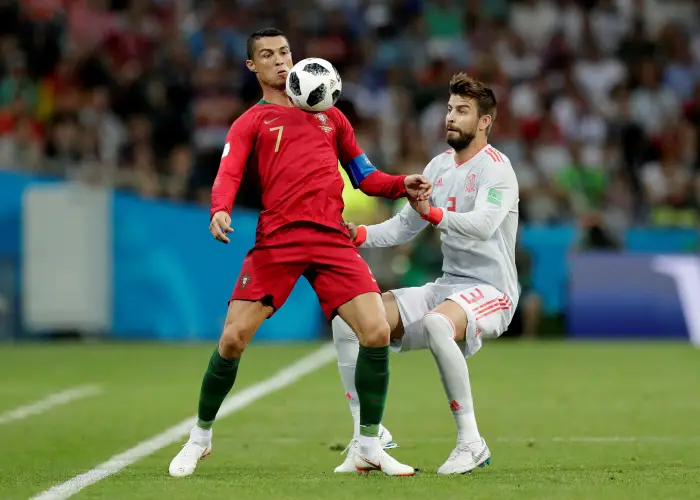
(599, 100)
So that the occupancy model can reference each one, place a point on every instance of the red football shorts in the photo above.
(326, 258)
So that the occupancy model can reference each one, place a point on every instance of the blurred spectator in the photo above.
(581, 186)
(528, 314)
(539, 202)
(668, 186)
(653, 106)
(599, 100)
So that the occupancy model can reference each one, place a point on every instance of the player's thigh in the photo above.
(412, 304)
(338, 274)
(393, 316)
(365, 314)
(268, 276)
(488, 313)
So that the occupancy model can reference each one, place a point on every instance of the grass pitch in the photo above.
(563, 421)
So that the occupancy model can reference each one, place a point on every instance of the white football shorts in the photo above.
(489, 312)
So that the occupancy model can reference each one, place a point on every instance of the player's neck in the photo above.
(468, 153)
(274, 96)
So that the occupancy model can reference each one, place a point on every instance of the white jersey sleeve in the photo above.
(398, 230)
(496, 194)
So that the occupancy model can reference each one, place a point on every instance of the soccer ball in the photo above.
(313, 85)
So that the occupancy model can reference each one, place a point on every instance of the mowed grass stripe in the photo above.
(238, 401)
(56, 399)
(146, 388)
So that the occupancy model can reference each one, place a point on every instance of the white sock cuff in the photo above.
(436, 324)
(342, 331)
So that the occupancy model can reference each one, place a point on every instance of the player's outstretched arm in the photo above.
(495, 197)
(366, 177)
(239, 144)
(398, 230)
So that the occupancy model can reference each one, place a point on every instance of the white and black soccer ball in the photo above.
(314, 85)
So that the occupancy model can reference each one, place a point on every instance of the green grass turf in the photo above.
(563, 421)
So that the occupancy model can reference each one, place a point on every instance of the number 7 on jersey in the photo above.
(279, 130)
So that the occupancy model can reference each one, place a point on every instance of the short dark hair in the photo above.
(465, 86)
(254, 37)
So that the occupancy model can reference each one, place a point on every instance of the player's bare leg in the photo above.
(443, 328)
(242, 321)
(347, 347)
(365, 314)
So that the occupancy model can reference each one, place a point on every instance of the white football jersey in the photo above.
(479, 201)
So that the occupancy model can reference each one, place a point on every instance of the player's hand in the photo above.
(418, 187)
(352, 229)
(220, 225)
(422, 206)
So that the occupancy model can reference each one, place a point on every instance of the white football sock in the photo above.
(369, 446)
(347, 347)
(439, 335)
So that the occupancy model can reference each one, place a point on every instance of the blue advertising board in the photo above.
(634, 296)
(172, 280)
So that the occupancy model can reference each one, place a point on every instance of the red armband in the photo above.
(434, 216)
(361, 236)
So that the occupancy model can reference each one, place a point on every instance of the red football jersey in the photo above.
(294, 156)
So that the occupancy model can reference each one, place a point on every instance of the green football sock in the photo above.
(372, 383)
(216, 384)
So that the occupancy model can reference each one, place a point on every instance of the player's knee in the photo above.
(234, 340)
(342, 331)
(375, 334)
(437, 327)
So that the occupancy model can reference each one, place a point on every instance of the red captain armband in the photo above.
(434, 216)
(361, 236)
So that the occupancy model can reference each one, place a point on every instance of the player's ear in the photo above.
(251, 66)
(485, 122)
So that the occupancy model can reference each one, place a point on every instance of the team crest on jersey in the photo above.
(324, 123)
(471, 184)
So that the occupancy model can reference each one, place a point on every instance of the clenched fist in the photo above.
(352, 229)
(418, 187)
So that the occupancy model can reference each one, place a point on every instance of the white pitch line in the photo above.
(56, 399)
(236, 402)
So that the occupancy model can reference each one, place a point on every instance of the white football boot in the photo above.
(373, 458)
(348, 465)
(197, 447)
(466, 457)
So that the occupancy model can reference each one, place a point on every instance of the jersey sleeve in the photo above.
(239, 145)
(363, 175)
(496, 195)
(398, 230)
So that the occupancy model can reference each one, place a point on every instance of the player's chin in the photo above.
(279, 84)
(452, 135)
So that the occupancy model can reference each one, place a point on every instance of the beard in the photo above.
(462, 141)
